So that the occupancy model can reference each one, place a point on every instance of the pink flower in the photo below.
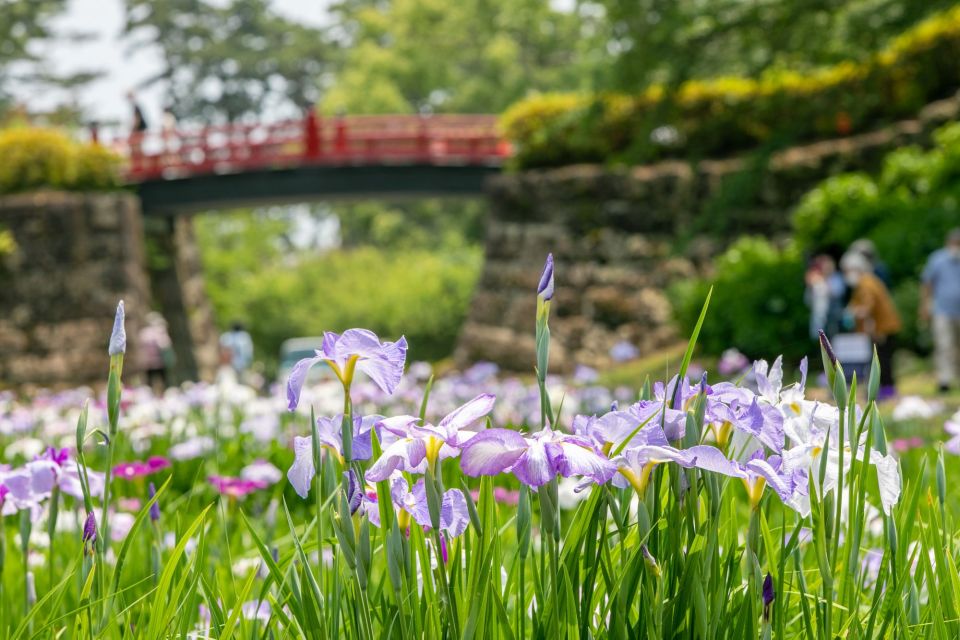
(138, 469)
(906, 444)
(236, 487)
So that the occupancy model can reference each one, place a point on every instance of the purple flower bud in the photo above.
(90, 529)
(155, 507)
(443, 548)
(354, 493)
(3, 494)
(545, 288)
(118, 338)
(827, 347)
(769, 595)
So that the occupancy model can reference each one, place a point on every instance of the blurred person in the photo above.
(940, 300)
(874, 314)
(156, 351)
(139, 122)
(868, 250)
(824, 295)
(237, 346)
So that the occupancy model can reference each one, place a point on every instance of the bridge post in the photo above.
(312, 142)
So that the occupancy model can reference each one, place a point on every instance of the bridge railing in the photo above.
(348, 140)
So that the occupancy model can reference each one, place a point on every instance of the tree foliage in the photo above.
(25, 25)
(223, 61)
(669, 41)
(463, 56)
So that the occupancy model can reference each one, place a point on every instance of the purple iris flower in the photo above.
(612, 428)
(791, 486)
(411, 446)
(545, 287)
(732, 407)
(637, 463)
(118, 337)
(381, 361)
(59, 456)
(302, 472)
(624, 351)
(411, 502)
(535, 459)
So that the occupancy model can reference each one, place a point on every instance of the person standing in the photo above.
(824, 295)
(868, 250)
(156, 351)
(874, 313)
(138, 124)
(940, 301)
(238, 346)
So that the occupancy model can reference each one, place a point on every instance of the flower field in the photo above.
(366, 499)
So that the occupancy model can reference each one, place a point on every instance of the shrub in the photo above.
(422, 294)
(906, 211)
(751, 308)
(730, 113)
(36, 158)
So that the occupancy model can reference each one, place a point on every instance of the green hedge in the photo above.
(906, 211)
(34, 158)
(751, 308)
(723, 115)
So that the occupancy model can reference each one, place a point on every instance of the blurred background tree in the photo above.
(25, 26)
(223, 61)
(669, 41)
(470, 56)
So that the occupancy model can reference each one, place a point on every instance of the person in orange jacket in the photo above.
(874, 313)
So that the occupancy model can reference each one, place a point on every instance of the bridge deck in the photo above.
(440, 140)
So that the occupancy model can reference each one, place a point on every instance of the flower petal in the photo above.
(404, 454)
(467, 414)
(576, 460)
(491, 452)
(454, 515)
(533, 468)
(298, 376)
(302, 471)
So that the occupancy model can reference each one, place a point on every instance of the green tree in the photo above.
(225, 61)
(464, 56)
(24, 25)
(669, 41)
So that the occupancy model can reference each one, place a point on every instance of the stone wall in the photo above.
(622, 236)
(76, 255)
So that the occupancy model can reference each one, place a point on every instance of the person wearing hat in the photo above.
(874, 313)
(940, 301)
(868, 250)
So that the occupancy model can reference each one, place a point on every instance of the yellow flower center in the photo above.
(433, 449)
(722, 434)
(755, 490)
(641, 480)
(345, 376)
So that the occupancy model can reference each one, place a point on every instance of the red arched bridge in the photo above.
(183, 170)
